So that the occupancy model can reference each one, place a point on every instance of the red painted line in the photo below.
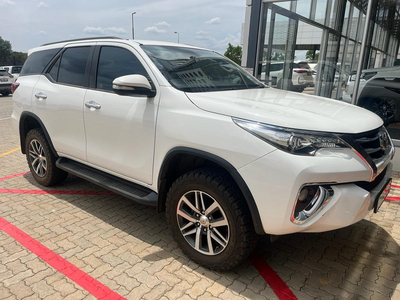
(94, 287)
(392, 199)
(15, 175)
(395, 186)
(279, 287)
(12, 191)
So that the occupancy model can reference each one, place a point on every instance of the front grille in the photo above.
(371, 144)
(376, 143)
(374, 146)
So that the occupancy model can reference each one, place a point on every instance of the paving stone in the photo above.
(198, 288)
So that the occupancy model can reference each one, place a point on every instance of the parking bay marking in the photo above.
(94, 287)
(281, 290)
(9, 152)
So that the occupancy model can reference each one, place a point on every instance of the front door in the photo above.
(120, 132)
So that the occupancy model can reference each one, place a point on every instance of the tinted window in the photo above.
(276, 67)
(37, 61)
(73, 66)
(54, 70)
(197, 70)
(3, 73)
(16, 70)
(115, 62)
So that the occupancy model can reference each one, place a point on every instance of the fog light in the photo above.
(309, 200)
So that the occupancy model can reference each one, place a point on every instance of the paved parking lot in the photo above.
(124, 249)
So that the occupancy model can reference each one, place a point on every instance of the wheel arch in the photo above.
(28, 121)
(180, 160)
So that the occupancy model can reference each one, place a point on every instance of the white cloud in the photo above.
(42, 4)
(213, 21)
(6, 2)
(101, 30)
(163, 23)
(207, 41)
(202, 36)
(115, 30)
(155, 29)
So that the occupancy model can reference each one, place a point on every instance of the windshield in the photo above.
(196, 70)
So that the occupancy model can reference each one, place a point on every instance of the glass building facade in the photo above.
(316, 46)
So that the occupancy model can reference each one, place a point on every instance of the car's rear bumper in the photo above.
(5, 86)
(276, 179)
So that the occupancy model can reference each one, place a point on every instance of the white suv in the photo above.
(190, 132)
(6, 79)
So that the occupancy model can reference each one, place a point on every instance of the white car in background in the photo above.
(190, 132)
(379, 92)
(13, 70)
(6, 80)
(301, 75)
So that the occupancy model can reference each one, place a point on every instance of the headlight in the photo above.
(301, 142)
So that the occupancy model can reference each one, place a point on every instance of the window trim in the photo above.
(59, 55)
(95, 62)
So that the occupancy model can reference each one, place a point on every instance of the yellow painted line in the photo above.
(9, 152)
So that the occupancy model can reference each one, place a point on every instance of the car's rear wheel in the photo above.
(41, 160)
(5, 94)
(209, 219)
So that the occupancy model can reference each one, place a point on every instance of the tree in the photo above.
(310, 55)
(18, 58)
(5, 50)
(234, 53)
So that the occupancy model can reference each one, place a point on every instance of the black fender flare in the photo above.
(23, 132)
(255, 215)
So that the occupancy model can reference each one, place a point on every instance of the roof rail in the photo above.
(84, 39)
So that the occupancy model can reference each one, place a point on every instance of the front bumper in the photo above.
(275, 180)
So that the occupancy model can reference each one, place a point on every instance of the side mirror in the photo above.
(133, 85)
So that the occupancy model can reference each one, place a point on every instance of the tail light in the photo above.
(300, 71)
(14, 86)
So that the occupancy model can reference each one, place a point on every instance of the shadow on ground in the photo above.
(361, 260)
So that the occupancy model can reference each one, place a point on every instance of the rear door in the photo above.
(58, 100)
(121, 133)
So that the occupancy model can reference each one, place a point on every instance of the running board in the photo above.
(117, 185)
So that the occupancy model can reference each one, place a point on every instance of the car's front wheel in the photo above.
(209, 219)
(41, 160)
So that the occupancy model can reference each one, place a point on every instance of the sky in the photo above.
(205, 23)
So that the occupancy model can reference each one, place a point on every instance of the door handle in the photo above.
(40, 96)
(93, 104)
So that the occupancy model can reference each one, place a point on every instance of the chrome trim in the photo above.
(326, 201)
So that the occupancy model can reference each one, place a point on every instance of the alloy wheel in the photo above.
(203, 222)
(37, 158)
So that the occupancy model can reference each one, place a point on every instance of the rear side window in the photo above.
(54, 69)
(16, 70)
(73, 66)
(37, 61)
(3, 73)
(115, 62)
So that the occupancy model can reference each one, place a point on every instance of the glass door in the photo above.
(276, 55)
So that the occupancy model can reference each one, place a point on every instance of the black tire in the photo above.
(52, 175)
(384, 108)
(5, 94)
(242, 238)
(299, 90)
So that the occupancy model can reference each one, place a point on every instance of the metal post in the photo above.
(178, 35)
(133, 26)
(362, 53)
